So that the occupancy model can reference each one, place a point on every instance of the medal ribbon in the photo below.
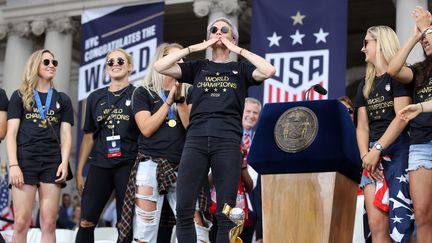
(171, 115)
(41, 111)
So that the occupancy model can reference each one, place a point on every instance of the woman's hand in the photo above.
(422, 18)
(410, 112)
(178, 93)
(203, 45)
(16, 177)
(230, 45)
(172, 94)
(372, 165)
(79, 183)
(62, 172)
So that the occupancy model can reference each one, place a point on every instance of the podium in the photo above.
(307, 155)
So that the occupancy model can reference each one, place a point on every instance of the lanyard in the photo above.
(171, 115)
(112, 108)
(41, 111)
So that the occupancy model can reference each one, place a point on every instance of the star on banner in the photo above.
(321, 36)
(274, 39)
(297, 38)
(298, 18)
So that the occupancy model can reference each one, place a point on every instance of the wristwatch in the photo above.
(378, 147)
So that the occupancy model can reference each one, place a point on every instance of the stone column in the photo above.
(405, 24)
(215, 9)
(58, 40)
(18, 48)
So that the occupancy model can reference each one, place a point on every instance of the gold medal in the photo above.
(43, 123)
(172, 123)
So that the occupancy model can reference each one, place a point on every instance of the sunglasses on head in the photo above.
(111, 62)
(351, 111)
(47, 62)
(365, 42)
(214, 29)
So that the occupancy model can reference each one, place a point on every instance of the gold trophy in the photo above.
(237, 216)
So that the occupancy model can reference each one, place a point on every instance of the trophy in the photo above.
(237, 216)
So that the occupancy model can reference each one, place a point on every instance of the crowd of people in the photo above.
(174, 150)
(145, 145)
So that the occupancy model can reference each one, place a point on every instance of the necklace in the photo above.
(119, 93)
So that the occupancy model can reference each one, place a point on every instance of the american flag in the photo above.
(5, 210)
(392, 197)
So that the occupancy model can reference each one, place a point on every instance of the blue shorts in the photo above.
(420, 155)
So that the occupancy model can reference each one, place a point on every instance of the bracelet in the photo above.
(168, 104)
(421, 106)
(241, 51)
(363, 156)
(188, 50)
(10, 166)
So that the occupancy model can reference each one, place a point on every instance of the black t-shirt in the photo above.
(167, 142)
(34, 139)
(380, 103)
(218, 96)
(4, 102)
(421, 126)
(120, 121)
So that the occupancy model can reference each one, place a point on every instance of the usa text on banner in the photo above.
(306, 42)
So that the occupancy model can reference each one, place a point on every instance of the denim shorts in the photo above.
(420, 155)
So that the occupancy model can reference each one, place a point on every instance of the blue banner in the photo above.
(137, 29)
(306, 42)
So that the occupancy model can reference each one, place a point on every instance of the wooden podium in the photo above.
(308, 196)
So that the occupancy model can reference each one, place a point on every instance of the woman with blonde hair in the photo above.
(161, 108)
(39, 140)
(419, 76)
(110, 136)
(383, 139)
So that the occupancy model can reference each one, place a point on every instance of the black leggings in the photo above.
(222, 155)
(98, 187)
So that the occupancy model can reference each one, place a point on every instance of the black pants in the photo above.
(222, 155)
(97, 190)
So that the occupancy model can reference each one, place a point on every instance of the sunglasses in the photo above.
(350, 111)
(224, 29)
(365, 42)
(111, 62)
(47, 62)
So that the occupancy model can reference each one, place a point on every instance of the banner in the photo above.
(306, 42)
(137, 29)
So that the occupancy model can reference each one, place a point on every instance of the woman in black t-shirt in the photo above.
(110, 136)
(215, 130)
(420, 157)
(39, 119)
(382, 138)
(162, 114)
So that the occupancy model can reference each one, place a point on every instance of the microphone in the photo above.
(320, 89)
(317, 88)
